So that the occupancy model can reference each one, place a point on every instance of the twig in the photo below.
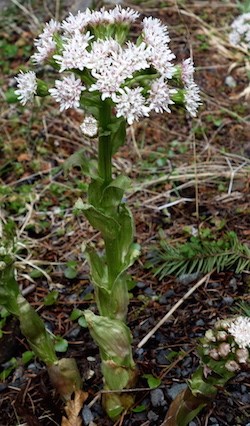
(173, 309)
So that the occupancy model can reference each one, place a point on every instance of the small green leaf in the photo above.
(35, 274)
(139, 408)
(75, 314)
(27, 356)
(82, 322)
(51, 298)
(153, 382)
(61, 345)
(70, 273)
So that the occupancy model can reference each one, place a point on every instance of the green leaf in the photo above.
(104, 223)
(78, 159)
(82, 322)
(10, 96)
(51, 298)
(27, 357)
(139, 408)
(75, 314)
(153, 382)
(61, 345)
(5, 373)
(35, 273)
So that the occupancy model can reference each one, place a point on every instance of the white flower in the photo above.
(100, 17)
(192, 98)
(103, 53)
(74, 54)
(160, 58)
(135, 58)
(74, 23)
(67, 92)
(111, 65)
(27, 86)
(131, 104)
(187, 71)
(45, 43)
(241, 30)
(154, 32)
(240, 330)
(160, 96)
(124, 15)
(89, 126)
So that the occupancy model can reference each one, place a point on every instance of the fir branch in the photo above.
(200, 256)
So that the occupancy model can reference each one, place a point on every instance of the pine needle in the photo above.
(200, 256)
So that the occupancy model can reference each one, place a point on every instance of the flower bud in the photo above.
(209, 335)
(242, 355)
(221, 335)
(214, 354)
(2, 265)
(232, 366)
(224, 349)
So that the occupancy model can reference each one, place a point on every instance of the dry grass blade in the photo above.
(73, 408)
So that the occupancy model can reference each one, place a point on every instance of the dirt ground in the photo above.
(200, 166)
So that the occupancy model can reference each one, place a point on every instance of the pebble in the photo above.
(233, 283)
(230, 81)
(152, 416)
(140, 285)
(192, 424)
(228, 300)
(200, 323)
(176, 389)
(161, 357)
(163, 299)
(87, 415)
(74, 332)
(157, 398)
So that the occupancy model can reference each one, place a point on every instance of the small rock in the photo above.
(140, 285)
(152, 416)
(230, 81)
(213, 420)
(188, 278)
(192, 424)
(200, 323)
(161, 357)
(227, 300)
(176, 389)
(3, 386)
(157, 398)
(149, 292)
(233, 283)
(87, 415)
(74, 332)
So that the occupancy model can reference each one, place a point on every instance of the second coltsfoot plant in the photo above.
(115, 81)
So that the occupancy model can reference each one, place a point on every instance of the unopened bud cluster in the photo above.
(229, 341)
(95, 58)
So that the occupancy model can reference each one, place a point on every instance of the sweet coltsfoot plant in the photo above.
(63, 373)
(224, 352)
(116, 80)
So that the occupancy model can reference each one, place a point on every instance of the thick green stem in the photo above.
(105, 144)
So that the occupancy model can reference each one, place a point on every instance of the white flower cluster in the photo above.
(240, 330)
(137, 77)
(89, 126)
(26, 86)
(240, 34)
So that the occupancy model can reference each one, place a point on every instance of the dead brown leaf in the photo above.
(73, 408)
